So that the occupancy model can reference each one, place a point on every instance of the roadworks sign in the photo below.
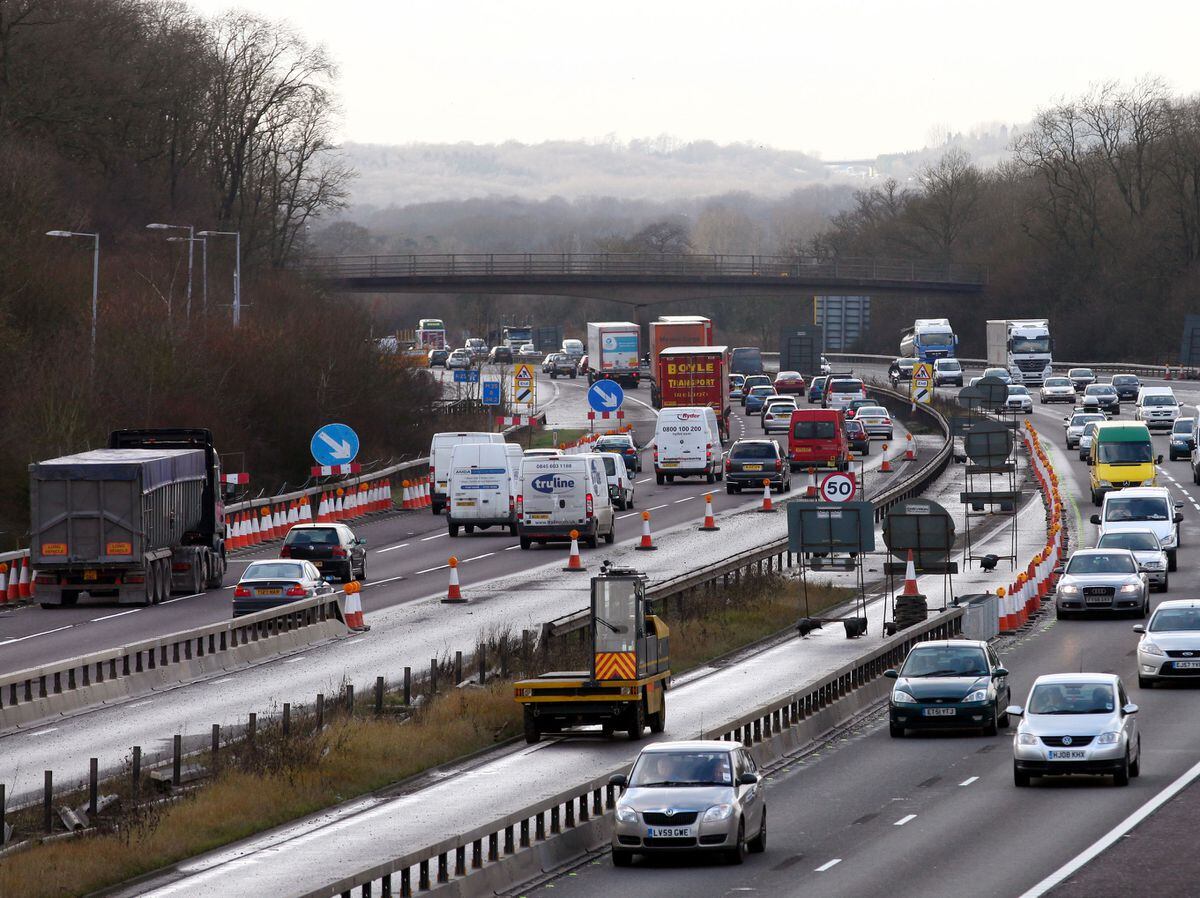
(524, 386)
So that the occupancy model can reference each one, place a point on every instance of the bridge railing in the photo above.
(641, 265)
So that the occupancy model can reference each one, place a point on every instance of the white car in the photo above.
(1085, 440)
(1077, 723)
(275, 582)
(460, 358)
(1170, 645)
(777, 414)
(1057, 389)
(876, 421)
(1143, 508)
(947, 371)
(527, 349)
(1019, 399)
(620, 484)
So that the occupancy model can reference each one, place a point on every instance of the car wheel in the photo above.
(1121, 776)
(629, 503)
(710, 477)
(658, 720)
(1135, 768)
(729, 488)
(636, 722)
(610, 536)
(526, 542)
(621, 857)
(348, 573)
(737, 854)
(1003, 721)
(362, 571)
(721, 474)
(659, 479)
(435, 508)
(759, 843)
(1172, 563)
(992, 728)
(895, 731)
(593, 541)
(1166, 584)
(533, 735)
(1020, 778)
(453, 528)
(1063, 614)
(670, 478)
(1145, 682)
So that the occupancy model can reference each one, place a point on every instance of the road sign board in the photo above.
(466, 375)
(838, 487)
(334, 444)
(524, 385)
(831, 526)
(922, 382)
(605, 396)
(491, 390)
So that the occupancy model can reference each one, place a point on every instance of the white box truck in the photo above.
(1023, 346)
(614, 352)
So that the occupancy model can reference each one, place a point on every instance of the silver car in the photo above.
(1145, 548)
(1102, 580)
(1057, 389)
(777, 414)
(690, 796)
(269, 584)
(1019, 399)
(1077, 422)
(1077, 723)
(876, 421)
(1085, 440)
(1170, 645)
(1000, 373)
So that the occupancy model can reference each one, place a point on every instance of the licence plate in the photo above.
(670, 464)
(318, 563)
(1187, 665)
(540, 517)
(669, 832)
(268, 592)
(91, 575)
(465, 502)
(1075, 755)
(751, 467)
(939, 712)
(1098, 600)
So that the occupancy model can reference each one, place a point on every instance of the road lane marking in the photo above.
(32, 635)
(45, 731)
(968, 781)
(140, 704)
(426, 539)
(657, 507)
(905, 819)
(293, 660)
(220, 681)
(685, 499)
(647, 480)
(391, 548)
(828, 865)
(430, 570)
(194, 595)
(96, 620)
(477, 557)
(632, 514)
(510, 548)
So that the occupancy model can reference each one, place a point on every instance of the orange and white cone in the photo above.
(647, 544)
(910, 577)
(306, 516)
(354, 609)
(323, 510)
(710, 523)
(427, 489)
(339, 506)
(3, 582)
(766, 503)
(886, 466)
(574, 562)
(910, 448)
(279, 523)
(811, 491)
(23, 583)
(13, 592)
(407, 503)
(454, 595)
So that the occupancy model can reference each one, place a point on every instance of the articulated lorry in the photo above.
(613, 352)
(675, 330)
(690, 376)
(133, 522)
(1022, 346)
(928, 339)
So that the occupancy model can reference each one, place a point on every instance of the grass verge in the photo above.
(552, 437)
(277, 779)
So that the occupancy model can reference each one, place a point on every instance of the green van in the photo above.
(1122, 456)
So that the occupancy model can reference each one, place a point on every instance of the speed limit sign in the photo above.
(838, 487)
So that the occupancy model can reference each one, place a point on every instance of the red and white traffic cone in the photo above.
(323, 510)
(910, 577)
(354, 609)
(766, 503)
(13, 592)
(306, 516)
(426, 491)
(574, 562)
(454, 596)
(647, 544)
(339, 506)
(3, 582)
(407, 500)
(886, 466)
(811, 491)
(279, 526)
(710, 523)
(910, 448)
(23, 583)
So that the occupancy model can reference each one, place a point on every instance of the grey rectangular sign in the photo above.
(831, 527)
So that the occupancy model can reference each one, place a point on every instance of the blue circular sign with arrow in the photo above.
(334, 444)
(605, 396)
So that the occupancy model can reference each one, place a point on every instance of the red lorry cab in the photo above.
(816, 439)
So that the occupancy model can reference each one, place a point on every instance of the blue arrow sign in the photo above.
(491, 392)
(605, 396)
(466, 375)
(334, 444)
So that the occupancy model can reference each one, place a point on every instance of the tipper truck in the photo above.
(613, 352)
(133, 522)
(675, 330)
(1022, 346)
(928, 339)
(690, 376)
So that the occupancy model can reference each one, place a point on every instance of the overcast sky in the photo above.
(847, 78)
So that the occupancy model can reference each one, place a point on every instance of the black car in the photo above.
(1081, 378)
(949, 684)
(1127, 386)
(1106, 396)
(1182, 433)
(333, 548)
(437, 357)
(749, 462)
(501, 354)
(857, 437)
(623, 445)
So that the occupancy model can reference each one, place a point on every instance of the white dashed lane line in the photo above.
(828, 865)
(968, 781)
(905, 819)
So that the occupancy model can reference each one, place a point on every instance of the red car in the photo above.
(790, 382)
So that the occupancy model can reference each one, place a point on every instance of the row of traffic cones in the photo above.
(354, 502)
(250, 528)
(17, 582)
(416, 494)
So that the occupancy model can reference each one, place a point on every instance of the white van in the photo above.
(484, 479)
(620, 484)
(687, 443)
(1143, 508)
(562, 494)
(439, 460)
(1157, 407)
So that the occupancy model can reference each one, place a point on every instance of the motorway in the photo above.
(938, 814)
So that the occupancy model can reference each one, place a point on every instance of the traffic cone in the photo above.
(766, 503)
(242, 533)
(23, 583)
(323, 510)
(373, 501)
(427, 489)
(910, 451)
(278, 523)
(351, 505)
(454, 596)
(3, 582)
(354, 610)
(13, 592)
(255, 531)
(910, 577)
(33, 583)
(407, 503)
(811, 491)
(1006, 622)
(306, 516)
(710, 522)
(886, 467)
(339, 508)
(574, 563)
(647, 544)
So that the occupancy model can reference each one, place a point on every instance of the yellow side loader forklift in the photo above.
(626, 687)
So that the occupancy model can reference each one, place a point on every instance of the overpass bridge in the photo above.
(644, 279)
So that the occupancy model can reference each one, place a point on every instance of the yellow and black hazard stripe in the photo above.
(616, 666)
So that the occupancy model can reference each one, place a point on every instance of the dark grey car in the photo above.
(749, 462)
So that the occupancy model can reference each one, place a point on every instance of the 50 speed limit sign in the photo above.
(838, 487)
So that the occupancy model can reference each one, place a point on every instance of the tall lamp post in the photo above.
(203, 267)
(95, 280)
(191, 229)
(237, 270)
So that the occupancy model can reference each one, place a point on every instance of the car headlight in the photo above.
(1130, 588)
(979, 695)
(1069, 590)
(1169, 540)
(718, 812)
(900, 697)
(1108, 739)
(1107, 483)
(1153, 565)
(626, 814)
(1149, 648)
(1026, 739)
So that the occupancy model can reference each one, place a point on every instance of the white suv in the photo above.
(1143, 508)
(1157, 407)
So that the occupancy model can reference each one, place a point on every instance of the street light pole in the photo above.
(191, 239)
(203, 268)
(237, 270)
(95, 282)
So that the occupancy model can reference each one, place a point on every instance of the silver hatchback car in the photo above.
(1077, 723)
(1102, 580)
(690, 796)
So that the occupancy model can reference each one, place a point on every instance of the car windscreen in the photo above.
(1182, 425)
(1175, 619)
(1079, 420)
(1147, 508)
(937, 339)
(1080, 372)
(819, 382)
(814, 430)
(1130, 539)
(872, 411)
(273, 570)
(1016, 390)
(1100, 390)
(945, 661)
(1101, 563)
(612, 446)
(1160, 400)
(1125, 380)
(324, 536)
(1140, 453)
(995, 372)
(682, 768)
(753, 450)
(846, 386)
(949, 366)
(1031, 344)
(1057, 382)
(1072, 698)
